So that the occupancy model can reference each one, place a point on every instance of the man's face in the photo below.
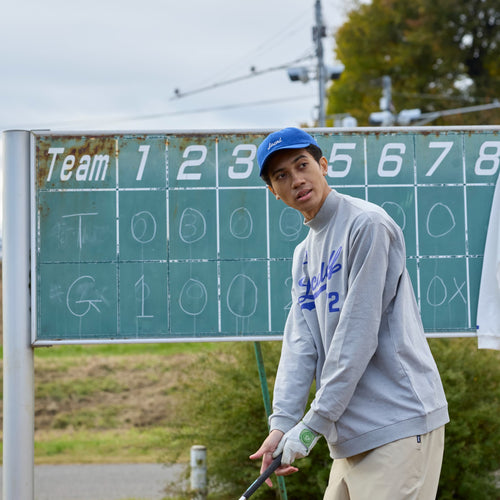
(299, 180)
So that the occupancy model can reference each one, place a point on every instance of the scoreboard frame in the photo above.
(441, 175)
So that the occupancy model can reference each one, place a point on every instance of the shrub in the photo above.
(223, 410)
(471, 380)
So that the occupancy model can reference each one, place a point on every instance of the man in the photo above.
(355, 328)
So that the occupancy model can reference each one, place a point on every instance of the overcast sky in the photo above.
(114, 64)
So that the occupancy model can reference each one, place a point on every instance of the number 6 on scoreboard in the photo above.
(387, 158)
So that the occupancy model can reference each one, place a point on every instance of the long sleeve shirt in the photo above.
(488, 309)
(354, 328)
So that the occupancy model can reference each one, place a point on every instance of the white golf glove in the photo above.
(296, 443)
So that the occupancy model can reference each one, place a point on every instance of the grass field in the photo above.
(109, 403)
(105, 405)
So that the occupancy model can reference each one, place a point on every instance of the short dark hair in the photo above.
(312, 149)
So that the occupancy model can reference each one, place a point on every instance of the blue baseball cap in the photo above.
(287, 138)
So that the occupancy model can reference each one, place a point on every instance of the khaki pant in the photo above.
(407, 469)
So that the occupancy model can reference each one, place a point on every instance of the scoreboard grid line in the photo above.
(261, 260)
(417, 235)
(117, 225)
(466, 234)
(268, 266)
(168, 235)
(217, 200)
(260, 188)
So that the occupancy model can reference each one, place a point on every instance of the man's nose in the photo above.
(297, 179)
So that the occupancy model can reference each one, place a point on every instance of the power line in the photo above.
(429, 117)
(153, 116)
(234, 106)
(319, 32)
(441, 97)
(253, 72)
(272, 41)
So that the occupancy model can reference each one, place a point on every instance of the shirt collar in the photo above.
(325, 213)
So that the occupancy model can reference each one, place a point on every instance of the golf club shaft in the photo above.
(255, 485)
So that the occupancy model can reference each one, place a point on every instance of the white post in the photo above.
(199, 472)
(18, 360)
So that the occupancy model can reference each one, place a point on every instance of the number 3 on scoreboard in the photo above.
(250, 150)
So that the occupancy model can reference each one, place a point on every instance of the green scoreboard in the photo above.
(174, 237)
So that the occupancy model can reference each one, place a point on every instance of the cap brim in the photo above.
(263, 169)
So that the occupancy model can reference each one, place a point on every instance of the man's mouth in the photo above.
(303, 194)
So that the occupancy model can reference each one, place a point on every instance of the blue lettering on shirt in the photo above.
(316, 285)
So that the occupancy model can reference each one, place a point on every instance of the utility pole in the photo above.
(386, 101)
(385, 116)
(318, 34)
(321, 73)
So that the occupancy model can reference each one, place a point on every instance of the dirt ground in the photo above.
(106, 392)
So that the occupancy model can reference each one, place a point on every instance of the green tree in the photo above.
(439, 55)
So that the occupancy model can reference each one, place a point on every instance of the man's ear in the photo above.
(323, 163)
(273, 191)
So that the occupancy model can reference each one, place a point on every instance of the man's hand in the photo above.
(266, 452)
(296, 443)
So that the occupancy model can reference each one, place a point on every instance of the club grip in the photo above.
(255, 485)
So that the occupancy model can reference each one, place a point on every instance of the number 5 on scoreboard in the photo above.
(346, 158)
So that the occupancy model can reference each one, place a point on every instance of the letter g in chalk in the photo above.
(77, 293)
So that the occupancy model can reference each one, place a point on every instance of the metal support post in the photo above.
(18, 367)
(267, 406)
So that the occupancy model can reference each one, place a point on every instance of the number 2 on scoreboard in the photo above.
(182, 175)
